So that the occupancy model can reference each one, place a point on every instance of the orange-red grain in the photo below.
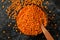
(29, 20)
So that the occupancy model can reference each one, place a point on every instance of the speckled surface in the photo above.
(8, 30)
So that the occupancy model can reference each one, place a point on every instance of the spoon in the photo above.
(46, 33)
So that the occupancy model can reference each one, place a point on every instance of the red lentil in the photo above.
(29, 20)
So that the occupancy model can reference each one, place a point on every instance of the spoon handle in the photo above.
(46, 33)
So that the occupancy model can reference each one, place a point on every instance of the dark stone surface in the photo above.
(13, 35)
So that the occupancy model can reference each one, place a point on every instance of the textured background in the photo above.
(8, 30)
